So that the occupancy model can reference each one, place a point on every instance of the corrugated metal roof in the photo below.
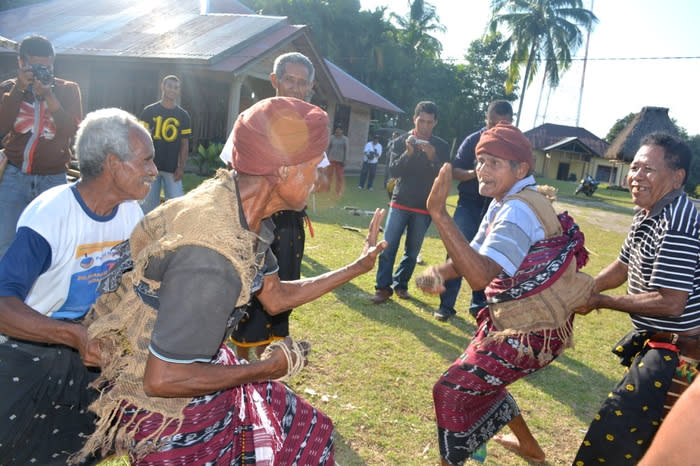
(136, 29)
(560, 143)
(256, 48)
(353, 89)
(572, 144)
(227, 38)
(548, 134)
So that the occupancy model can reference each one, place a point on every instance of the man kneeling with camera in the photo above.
(39, 115)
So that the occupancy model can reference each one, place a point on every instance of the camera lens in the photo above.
(43, 73)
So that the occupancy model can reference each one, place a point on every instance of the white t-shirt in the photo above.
(369, 148)
(81, 244)
(508, 229)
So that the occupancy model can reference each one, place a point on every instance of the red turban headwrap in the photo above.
(507, 142)
(276, 132)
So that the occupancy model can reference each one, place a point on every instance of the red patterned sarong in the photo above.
(261, 423)
(471, 400)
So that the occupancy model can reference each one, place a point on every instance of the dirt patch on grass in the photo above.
(592, 212)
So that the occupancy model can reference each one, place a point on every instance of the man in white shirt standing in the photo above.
(372, 152)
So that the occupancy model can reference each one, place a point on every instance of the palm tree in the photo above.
(539, 30)
(416, 28)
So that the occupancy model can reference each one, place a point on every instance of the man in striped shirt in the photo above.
(660, 262)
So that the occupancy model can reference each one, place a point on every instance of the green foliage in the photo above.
(415, 27)
(693, 184)
(481, 81)
(207, 158)
(191, 181)
(399, 58)
(619, 126)
(546, 31)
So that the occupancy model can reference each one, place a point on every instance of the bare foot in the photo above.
(511, 442)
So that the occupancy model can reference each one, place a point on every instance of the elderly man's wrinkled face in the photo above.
(133, 176)
(496, 175)
(294, 82)
(294, 189)
(650, 177)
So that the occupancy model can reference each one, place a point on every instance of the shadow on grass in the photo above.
(393, 313)
(568, 380)
(574, 384)
(345, 451)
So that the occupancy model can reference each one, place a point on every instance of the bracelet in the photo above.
(300, 349)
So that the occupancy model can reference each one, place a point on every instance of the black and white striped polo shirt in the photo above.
(662, 250)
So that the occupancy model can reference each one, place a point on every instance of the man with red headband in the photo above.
(521, 251)
(178, 394)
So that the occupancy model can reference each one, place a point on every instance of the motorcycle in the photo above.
(588, 186)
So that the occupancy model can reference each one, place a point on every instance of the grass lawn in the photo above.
(372, 367)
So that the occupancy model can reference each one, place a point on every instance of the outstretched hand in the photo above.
(436, 203)
(431, 281)
(371, 249)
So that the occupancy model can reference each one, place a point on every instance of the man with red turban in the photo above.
(178, 394)
(522, 250)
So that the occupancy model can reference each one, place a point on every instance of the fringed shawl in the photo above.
(208, 216)
(542, 294)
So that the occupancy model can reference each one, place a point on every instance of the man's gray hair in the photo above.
(293, 57)
(103, 132)
(514, 165)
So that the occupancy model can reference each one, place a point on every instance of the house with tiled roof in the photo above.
(570, 153)
(118, 51)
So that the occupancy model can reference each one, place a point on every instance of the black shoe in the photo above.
(443, 315)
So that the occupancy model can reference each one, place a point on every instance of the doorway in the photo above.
(563, 171)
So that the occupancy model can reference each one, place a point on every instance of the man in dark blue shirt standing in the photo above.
(470, 206)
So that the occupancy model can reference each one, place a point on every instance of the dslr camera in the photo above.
(43, 73)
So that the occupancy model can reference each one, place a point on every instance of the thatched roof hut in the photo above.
(649, 120)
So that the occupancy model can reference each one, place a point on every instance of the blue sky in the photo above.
(629, 29)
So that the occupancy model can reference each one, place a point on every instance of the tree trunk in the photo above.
(539, 99)
(528, 67)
